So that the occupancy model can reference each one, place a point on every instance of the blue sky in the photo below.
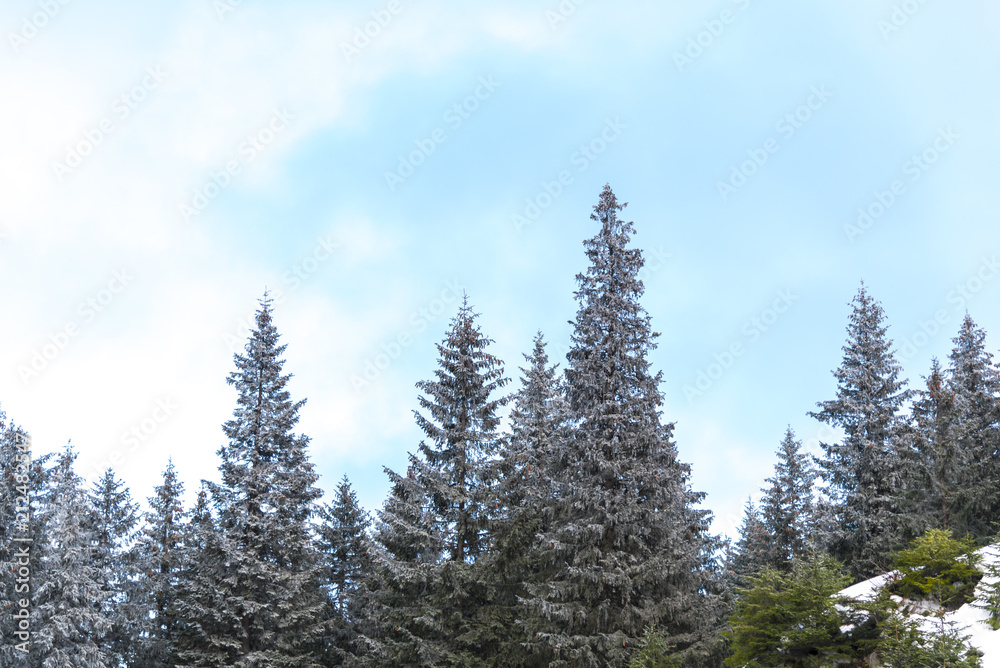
(162, 165)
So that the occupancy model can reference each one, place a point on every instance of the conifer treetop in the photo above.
(869, 375)
(265, 414)
(608, 374)
(971, 368)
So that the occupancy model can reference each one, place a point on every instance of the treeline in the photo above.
(571, 537)
(909, 460)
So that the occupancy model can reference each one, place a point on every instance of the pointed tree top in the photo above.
(263, 315)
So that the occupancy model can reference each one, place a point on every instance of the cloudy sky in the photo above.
(161, 164)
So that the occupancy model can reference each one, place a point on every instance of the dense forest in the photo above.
(566, 535)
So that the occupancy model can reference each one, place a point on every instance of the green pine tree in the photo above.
(793, 619)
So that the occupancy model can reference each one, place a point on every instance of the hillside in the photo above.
(969, 618)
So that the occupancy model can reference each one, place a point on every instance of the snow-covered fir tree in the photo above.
(787, 506)
(863, 470)
(270, 578)
(629, 544)
(70, 615)
(112, 523)
(974, 382)
(345, 556)
(158, 553)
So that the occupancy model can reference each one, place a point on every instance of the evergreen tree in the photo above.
(344, 547)
(938, 567)
(974, 382)
(461, 430)
(794, 619)
(654, 652)
(933, 467)
(269, 573)
(208, 629)
(629, 546)
(863, 470)
(70, 596)
(402, 625)
(159, 553)
(112, 522)
(452, 471)
(787, 506)
(753, 551)
(906, 643)
(540, 424)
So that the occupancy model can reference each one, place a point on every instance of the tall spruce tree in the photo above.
(629, 545)
(787, 505)
(159, 553)
(461, 436)
(112, 523)
(461, 429)
(540, 425)
(975, 384)
(71, 616)
(863, 470)
(270, 578)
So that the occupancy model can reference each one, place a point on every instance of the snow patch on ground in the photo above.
(969, 619)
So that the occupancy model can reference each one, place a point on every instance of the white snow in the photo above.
(970, 620)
